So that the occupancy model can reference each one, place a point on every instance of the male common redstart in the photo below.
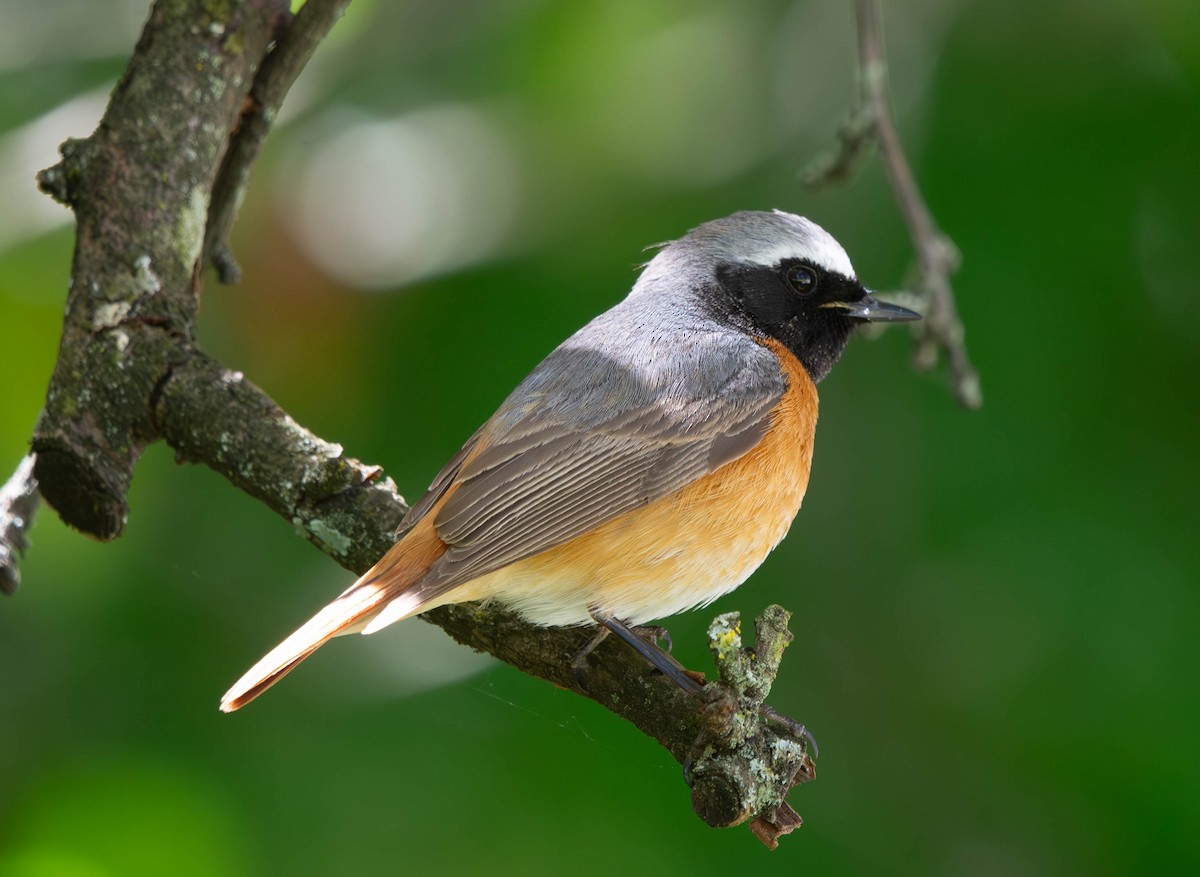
(647, 466)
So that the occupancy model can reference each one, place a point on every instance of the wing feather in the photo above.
(586, 438)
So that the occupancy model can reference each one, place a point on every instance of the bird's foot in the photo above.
(656, 634)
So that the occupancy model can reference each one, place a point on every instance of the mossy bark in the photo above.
(140, 188)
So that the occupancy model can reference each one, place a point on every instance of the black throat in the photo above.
(758, 300)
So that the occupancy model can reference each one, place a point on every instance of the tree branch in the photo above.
(18, 506)
(140, 188)
(214, 416)
(936, 256)
(283, 64)
(154, 190)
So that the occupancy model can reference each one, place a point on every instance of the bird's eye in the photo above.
(802, 279)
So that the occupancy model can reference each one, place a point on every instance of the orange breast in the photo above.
(683, 550)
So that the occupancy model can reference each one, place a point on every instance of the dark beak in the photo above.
(873, 310)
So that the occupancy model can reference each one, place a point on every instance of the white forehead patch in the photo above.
(795, 237)
(750, 237)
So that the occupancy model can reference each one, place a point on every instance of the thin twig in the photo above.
(855, 137)
(18, 506)
(936, 256)
(295, 45)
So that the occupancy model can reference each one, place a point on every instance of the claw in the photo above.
(689, 762)
(796, 729)
(579, 662)
(656, 634)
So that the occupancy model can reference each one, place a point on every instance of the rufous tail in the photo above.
(381, 595)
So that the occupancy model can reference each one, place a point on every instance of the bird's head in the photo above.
(774, 275)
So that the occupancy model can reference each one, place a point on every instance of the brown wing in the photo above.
(585, 439)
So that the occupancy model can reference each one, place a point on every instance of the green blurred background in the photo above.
(997, 613)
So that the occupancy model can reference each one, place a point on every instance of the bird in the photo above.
(647, 466)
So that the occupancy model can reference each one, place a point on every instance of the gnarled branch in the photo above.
(140, 187)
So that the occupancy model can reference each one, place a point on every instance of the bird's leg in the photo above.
(658, 659)
(652, 634)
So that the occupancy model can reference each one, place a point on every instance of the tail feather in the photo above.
(350, 608)
(386, 586)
